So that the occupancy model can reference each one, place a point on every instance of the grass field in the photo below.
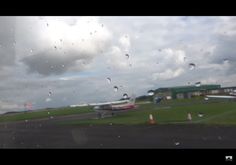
(167, 112)
(44, 113)
(175, 111)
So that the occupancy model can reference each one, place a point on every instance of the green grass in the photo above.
(44, 113)
(168, 112)
(223, 112)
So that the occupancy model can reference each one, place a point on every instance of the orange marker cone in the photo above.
(151, 120)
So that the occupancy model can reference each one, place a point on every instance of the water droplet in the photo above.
(200, 114)
(49, 93)
(52, 67)
(55, 47)
(109, 80)
(159, 50)
(177, 143)
(206, 98)
(191, 66)
(226, 60)
(125, 95)
(47, 24)
(197, 84)
(62, 66)
(31, 50)
(110, 123)
(127, 56)
(48, 113)
(51, 117)
(115, 88)
(151, 92)
(26, 121)
(119, 136)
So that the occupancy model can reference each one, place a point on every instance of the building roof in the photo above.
(190, 88)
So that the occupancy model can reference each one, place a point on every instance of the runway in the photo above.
(47, 133)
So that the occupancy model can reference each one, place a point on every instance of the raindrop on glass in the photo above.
(150, 92)
(127, 56)
(115, 88)
(52, 67)
(119, 136)
(55, 47)
(62, 66)
(48, 113)
(159, 50)
(47, 24)
(177, 143)
(226, 60)
(49, 93)
(31, 50)
(125, 95)
(109, 80)
(191, 66)
(197, 84)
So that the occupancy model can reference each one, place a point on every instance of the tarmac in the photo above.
(47, 133)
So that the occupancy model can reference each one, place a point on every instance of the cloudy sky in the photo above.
(59, 61)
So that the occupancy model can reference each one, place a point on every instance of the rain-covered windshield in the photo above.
(101, 82)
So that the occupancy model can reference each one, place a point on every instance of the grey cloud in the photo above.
(51, 62)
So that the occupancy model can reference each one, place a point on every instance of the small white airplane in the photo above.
(232, 95)
(114, 106)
